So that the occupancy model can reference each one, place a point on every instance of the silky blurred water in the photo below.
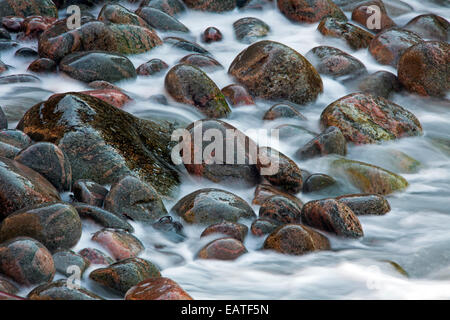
(415, 234)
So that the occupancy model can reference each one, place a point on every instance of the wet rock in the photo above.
(212, 166)
(335, 63)
(354, 36)
(189, 85)
(172, 230)
(331, 141)
(12, 24)
(309, 11)
(59, 290)
(25, 8)
(369, 178)
(283, 110)
(105, 218)
(68, 262)
(26, 53)
(262, 226)
(207, 206)
(363, 13)
(3, 120)
(363, 118)
(332, 216)
(423, 69)
(102, 142)
(237, 95)
(318, 182)
(380, 83)
(401, 162)
(89, 192)
(171, 7)
(151, 67)
(4, 34)
(16, 138)
(281, 210)
(114, 97)
(161, 20)
(202, 62)
(135, 199)
(388, 46)
(26, 261)
(50, 161)
(264, 191)
(211, 5)
(159, 99)
(279, 170)
(34, 26)
(366, 204)
(212, 34)
(157, 289)
(185, 45)
(55, 225)
(123, 275)
(96, 65)
(249, 30)
(234, 230)
(115, 13)
(22, 187)
(59, 41)
(430, 26)
(95, 256)
(19, 78)
(120, 244)
(223, 249)
(8, 151)
(7, 296)
(101, 85)
(43, 65)
(7, 286)
(296, 239)
(273, 71)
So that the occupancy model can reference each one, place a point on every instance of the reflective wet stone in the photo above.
(102, 217)
(309, 11)
(157, 289)
(212, 34)
(283, 110)
(172, 230)
(263, 226)
(152, 67)
(25, 8)
(354, 36)
(366, 204)
(95, 256)
(318, 182)
(264, 191)
(280, 209)
(202, 62)
(161, 20)
(237, 95)
(69, 263)
(115, 13)
(380, 83)
(363, 13)
(234, 230)
(3, 120)
(89, 192)
(222, 249)
(430, 26)
(60, 290)
(185, 45)
(331, 141)
(43, 65)
(114, 97)
(248, 30)
(120, 244)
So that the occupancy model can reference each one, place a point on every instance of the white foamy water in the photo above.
(415, 234)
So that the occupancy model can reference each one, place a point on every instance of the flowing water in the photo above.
(415, 234)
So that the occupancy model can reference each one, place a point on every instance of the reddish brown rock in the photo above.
(363, 118)
(211, 5)
(112, 96)
(264, 191)
(223, 249)
(424, 69)
(61, 290)
(12, 23)
(43, 65)
(309, 11)
(280, 209)
(234, 230)
(332, 216)
(26, 261)
(237, 95)
(7, 286)
(34, 26)
(295, 239)
(89, 192)
(202, 62)
(120, 244)
(388, 46)
(430, 26)
(211, 34)
(116, 13)
(363, 13)
(366, 204)
(157, 289)
(95, 256)
(26, 8)
(355, 37)
(152, 67)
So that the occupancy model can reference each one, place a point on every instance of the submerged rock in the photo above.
(355, 37)
(283, 110)
(152, 67)
(423, 69)
(55, 225)
(223, 249)
(185, 45)
(318, 182)
(3, 120)
(263, 226)
(380, 83)
(309, 11)
(123, 275)
(237, 95)
(102, 142)
(369, 178)
(363, 118)
(60, 290)
(43, 65)
(161, 20)
(430, 26)
(332, 216)
(171, 7)
(212, 206)
(26, 261)
(264, 191)
(296, 239)
(68, 262)
(112, 96)
(212, 34)
(273, 71)
(157, 289)
(95, 256)
(331, 141)
(189, 85)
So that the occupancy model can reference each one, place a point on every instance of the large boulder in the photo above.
(271, 70)
(102, 142)
(59, 41)
(364, 118)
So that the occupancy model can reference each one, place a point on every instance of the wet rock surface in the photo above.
(120, 244)
(430, 27)
(102, 217)
(380, 83)
(309, 11)
(331, 141)
(67, 262)
(280, 209)
(366, 204)
(59, 290)
(354, 36)
(161, 20)
(234, 230)
(249, 30)
(157, 289)
(222, 249)
(89, 192)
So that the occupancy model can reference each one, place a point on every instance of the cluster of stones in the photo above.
(79, 142)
